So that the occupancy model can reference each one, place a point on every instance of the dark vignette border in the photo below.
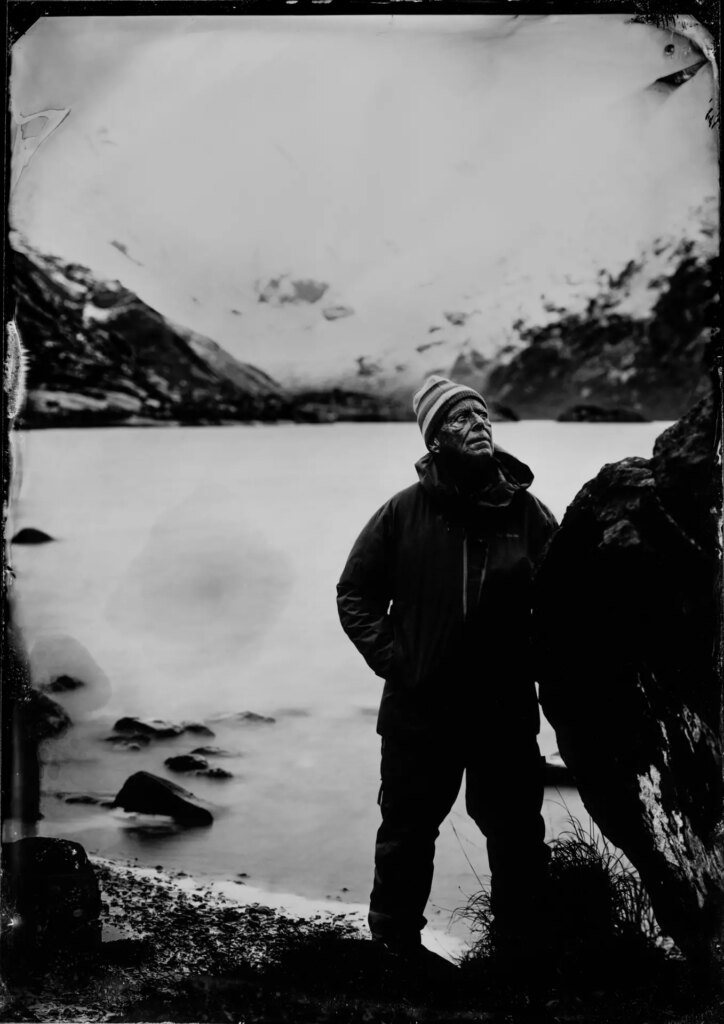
(20, 15)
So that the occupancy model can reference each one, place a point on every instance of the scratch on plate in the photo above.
(15, 370)
(28, 136)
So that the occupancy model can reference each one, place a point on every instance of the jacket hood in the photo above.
(513, 476)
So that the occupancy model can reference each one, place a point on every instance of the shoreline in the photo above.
(178, 949)
(220, 891)
(141, 422)
(166, 932)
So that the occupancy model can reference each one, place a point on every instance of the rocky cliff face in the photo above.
(97, 354)
(655, 366)
(627, 623)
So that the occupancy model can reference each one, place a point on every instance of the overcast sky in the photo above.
(413, 163)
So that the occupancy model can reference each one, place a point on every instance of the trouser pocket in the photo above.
(417, 792)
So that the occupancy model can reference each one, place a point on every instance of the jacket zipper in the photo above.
(466, 573)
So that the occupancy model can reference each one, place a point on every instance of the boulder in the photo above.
(626, 618)
(50, 900)
(216, 773)
(62, 684)
(197, 728)
(252, 716)
(247, 716)
(148, 794)
(155, 728)
(29, 535)
(186, 763)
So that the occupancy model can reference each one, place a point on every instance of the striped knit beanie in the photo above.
(432, 403)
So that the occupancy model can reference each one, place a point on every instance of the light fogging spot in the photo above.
(56, 658)
(209, 587)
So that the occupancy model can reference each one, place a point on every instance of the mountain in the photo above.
(352, 203)
(100, 355)
(97, 355)
(247, 378)
(601, 357)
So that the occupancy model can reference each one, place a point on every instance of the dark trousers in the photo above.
(421, 778)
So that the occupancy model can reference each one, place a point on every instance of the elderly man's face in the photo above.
(465, 430)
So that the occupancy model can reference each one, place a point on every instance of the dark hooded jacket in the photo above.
(435, 595)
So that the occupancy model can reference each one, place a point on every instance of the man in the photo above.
(435, 595)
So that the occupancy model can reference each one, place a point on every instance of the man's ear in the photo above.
(433, 446)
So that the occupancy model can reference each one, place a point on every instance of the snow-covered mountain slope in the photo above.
(364, 200)
(98, 355)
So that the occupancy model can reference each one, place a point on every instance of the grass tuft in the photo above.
(597, 929)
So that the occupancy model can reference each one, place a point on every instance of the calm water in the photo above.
(194, 574)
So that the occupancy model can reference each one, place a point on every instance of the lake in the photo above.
(193, 574)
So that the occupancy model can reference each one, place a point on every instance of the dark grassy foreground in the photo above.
(188, 955)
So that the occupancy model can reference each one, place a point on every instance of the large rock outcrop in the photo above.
(50, 899)
(627, 620)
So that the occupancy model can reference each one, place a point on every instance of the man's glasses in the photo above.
(465, 418)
